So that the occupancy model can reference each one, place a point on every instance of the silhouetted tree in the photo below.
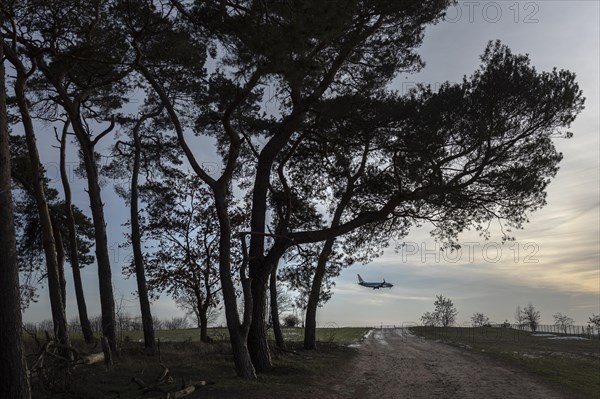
(563, 321)
(531, 316)
(445, 311)
(429, 319)
(480, 320)
(184, 262)
(594, 321)
(305, 49)
(145, 153)
(67, 221)
(444, 314)
(82, 65)
(437, 162)
(75, 244)
(14, 382)
(53, 250)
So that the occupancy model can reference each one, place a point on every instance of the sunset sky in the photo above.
(554, 262)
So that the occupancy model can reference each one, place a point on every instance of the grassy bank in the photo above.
(571, 364)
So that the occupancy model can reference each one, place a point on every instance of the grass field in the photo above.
(574, 364)
(189, 359)
(339, 336)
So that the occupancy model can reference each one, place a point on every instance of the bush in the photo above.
(291, 321)
(176, 323)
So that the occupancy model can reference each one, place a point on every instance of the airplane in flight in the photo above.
(375, 286)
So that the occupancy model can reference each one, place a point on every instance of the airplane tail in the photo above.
(360, 280)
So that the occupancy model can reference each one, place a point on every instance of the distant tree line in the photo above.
(445, 314)
(125, 323)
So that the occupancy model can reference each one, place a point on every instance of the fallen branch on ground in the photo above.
(164, 376)
(186, 388)
(93, 358)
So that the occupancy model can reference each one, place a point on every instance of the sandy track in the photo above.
(394, 364)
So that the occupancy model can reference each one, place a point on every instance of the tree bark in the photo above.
(107, 301)
(14, 382)
(279, 341)
(203, 325)
(136, 242)
(60, 260)
(310, 331)
(257, 336)
(86, 327)
(203, 306)
(37, 182)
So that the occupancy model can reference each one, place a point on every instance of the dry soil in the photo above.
(393, 363)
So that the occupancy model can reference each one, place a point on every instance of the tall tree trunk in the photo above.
(107, 300)
(49, 244)
(310, 331)
(279, 341)
(260, 268)
(238, 332)
(71, 106)
(257, 337)
(86, 327)
(14, 383)
(136, 242)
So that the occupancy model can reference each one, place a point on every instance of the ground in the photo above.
(423, 362)
(394, 363)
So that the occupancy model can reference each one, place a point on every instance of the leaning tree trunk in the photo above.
(279, 341)
(37, 182)
(86, 327)
(14, 382)
(136, 242)
(310, 332)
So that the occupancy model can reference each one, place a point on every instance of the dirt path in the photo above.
(394, 364)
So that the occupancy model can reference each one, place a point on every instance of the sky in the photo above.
(554, 263)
